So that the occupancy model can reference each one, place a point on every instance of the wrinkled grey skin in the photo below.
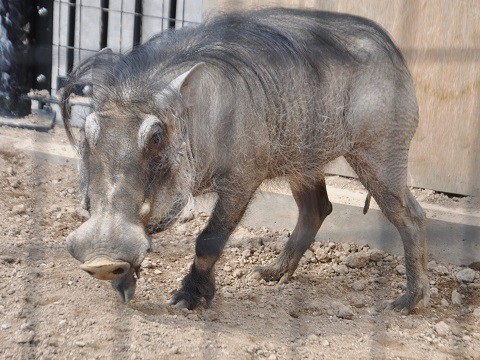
(222, 107)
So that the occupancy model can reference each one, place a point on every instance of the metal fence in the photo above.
(82, 27)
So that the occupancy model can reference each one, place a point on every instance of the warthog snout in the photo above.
(108, 248)
(103, 268)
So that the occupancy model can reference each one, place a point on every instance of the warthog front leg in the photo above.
(200, 281)
(313, 207)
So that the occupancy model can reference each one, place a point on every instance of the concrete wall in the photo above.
(441, 42)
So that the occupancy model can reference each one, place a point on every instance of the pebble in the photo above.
(174, 350)
(210, 315)
(227, 294)
(6, 326)
(466, 275)
(441, 270)
(359, 285)
(444, 302)
(441, 328)
(25, 326)
(26, 337)
(22, 209)
(476, 312)
(340, 269)
(272, 357)
(456, 298)
(322, 255)
(325, 343)
(247, 253)
(238, 273)
(357, 260)
(80, 343)
(433, 292)
(376, 255)
(341, 311)
(401, 269)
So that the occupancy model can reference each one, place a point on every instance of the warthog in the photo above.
(225, 105)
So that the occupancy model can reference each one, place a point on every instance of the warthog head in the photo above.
(135, 170)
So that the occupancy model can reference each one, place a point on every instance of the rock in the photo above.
(272, 357)
(80, 343)
(346, 247)
(322, 255)
(340, 269)
(325, 343)
(401, 269)
(227, 294)
(25, 326)
(444, 302)
(456, 298)
(441, 328)
(441, 270)
(6, 326)
(22, 209)
(25, 337)
(237, 273)
(359, 285)
(357, 260)
(210, 315)
(341, 311)
(247, 253)
(476, 312)
(466, 275)
(376, 255)
(174, 350)
(433, 292)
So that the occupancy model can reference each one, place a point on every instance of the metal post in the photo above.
(15, 56)
(105, 4)
(172, 14)
(71, 34)
(42, 36)
(137, 24)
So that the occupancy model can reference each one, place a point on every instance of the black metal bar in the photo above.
(104, 24)
(137, 23)
(71, 34)
(42, 39)
(172, 14)
(16, 60)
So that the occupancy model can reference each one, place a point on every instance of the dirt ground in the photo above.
(333, 308)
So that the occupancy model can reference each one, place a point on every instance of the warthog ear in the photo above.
(92, 129)
(183, 85)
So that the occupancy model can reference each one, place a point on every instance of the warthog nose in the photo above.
(103, 268)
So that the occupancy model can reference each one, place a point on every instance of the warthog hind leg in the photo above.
(388, 186)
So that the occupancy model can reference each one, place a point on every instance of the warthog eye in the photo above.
(156, 144)
(157, 138)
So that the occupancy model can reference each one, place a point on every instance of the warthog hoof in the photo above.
(195, 286)
(407, 302)
(270, 272)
